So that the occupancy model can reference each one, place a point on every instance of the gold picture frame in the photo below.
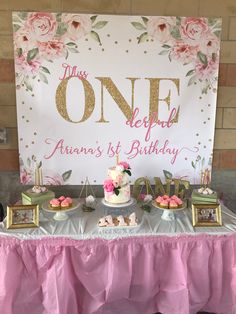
(206, 215)
(22, 216)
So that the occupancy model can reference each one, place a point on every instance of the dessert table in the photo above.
(76, 267)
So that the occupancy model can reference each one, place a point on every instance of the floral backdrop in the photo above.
(162, 123)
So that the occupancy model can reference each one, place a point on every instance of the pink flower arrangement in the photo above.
(42, 26)
(124, 164)
(111, 187)
(188, 40)
(40, 37)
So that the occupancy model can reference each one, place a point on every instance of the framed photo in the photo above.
(22, 216)
(206, 215)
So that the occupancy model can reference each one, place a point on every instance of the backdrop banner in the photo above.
(90, 88)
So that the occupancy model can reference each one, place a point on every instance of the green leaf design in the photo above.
(74, 50)
(202, 57)
(61, 29)
(116, 191)
(212, 21)
(143, 37)
(192, 80)
(71, 44)
(100, 24)
(43, 77)
(22, 15)
(128, 172)
(193, 165)
(138, 26)
(27, 84)
(145, 19)
(16, 27)
(19, 51)
(32, 54)
(95, 36)
(66, 175)
(190, 72)
(40, 164)
(44, 69)
(169, 56)
(93, 18)
(58, 17)
(175, 33)
(163, 52)
(28, 162)
(166, 46)
(217, 33)
(67, 54)
(167, 174)
(178, 20)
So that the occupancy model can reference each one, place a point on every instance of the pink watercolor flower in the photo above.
(78, 25)
(207, 71)
(26, 67)
(108, 186)
(124, 164)
(184, 53)
(25, 177)
(193, 28)
(50, 177)
(52, 49)
(209, 44)
(160, 28)
(42, 26)
(23, 40)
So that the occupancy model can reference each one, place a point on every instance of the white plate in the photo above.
(131, 202)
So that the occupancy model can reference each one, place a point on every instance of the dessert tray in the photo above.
(131, 202)
(168, 213)
(118, 222)
(60, 213)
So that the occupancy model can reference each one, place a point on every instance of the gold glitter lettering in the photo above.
(154, 95)
(61, 100)
(117, 97)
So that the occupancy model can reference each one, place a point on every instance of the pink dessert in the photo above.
(69, 200)
(158, 199)
(164, 203)
(61, 198)
(65, 204)
(173, 204)
(55, 203)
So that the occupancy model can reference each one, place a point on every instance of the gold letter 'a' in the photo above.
(61, 100)
(117, 96)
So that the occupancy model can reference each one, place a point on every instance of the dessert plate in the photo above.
(168, 213)
(131, 202)
(60, 214)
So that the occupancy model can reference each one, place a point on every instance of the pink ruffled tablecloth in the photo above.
(137, 275)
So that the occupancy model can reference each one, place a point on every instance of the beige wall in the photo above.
(225, 139)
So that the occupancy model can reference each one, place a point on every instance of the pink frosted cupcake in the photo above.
(159, 199)
(173, 204)
(55, 203)
(65, 204)
(69, 200)
(61, 198)
(164, 204)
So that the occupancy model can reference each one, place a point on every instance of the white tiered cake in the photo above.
(117, 186)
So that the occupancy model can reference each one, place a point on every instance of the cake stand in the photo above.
(169, 214)
(132, 201)
(60, 214)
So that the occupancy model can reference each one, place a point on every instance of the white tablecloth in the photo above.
(83, 225)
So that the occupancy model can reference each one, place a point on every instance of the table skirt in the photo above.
(138, 275)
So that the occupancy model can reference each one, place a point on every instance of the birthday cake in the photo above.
(117, 186)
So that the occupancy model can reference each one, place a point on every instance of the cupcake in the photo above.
(55, 203)
(173, 204)
(164, 203)
(65, 204)
(158, 199)
(61, 198)
(69, 200)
